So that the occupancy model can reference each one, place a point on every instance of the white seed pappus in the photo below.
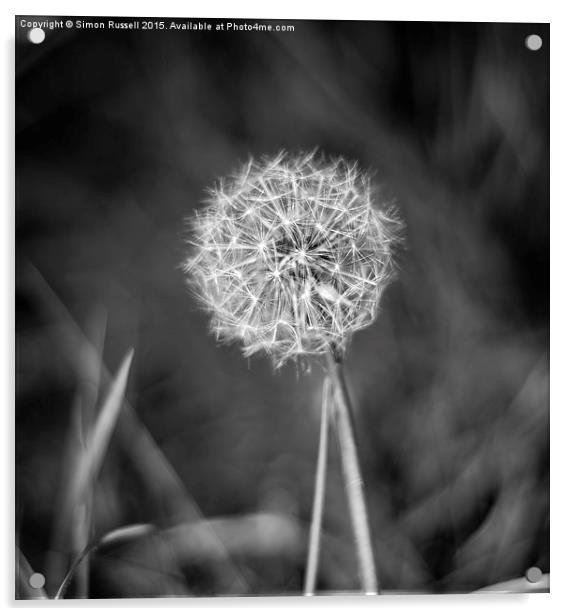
(290, 256)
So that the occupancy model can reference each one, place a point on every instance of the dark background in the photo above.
(117, 136)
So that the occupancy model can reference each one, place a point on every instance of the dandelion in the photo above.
(290, 257)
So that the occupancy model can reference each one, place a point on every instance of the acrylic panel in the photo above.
(282, 307)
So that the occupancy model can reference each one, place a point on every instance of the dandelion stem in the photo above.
(352, 477)
(319, 490)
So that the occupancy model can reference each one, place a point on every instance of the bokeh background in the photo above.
(118, 133)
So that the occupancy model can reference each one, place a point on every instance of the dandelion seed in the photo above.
(290, 256)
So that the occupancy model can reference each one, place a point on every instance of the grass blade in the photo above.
(72, 527)
(99, 440)
(119, 535)
(157, 474)
(89, 464)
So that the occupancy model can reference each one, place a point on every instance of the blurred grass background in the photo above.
(118, 134)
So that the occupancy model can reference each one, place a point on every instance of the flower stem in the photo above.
(352, 477)
(319, 490)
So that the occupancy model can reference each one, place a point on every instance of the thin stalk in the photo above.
(319, 490)
(70, 574)
(114, 537)
(353, 478)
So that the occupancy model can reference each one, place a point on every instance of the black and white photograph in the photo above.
(282, 305)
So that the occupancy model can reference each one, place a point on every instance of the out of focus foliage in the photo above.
(117, 134)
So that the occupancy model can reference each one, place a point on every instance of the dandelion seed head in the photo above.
(290, 256)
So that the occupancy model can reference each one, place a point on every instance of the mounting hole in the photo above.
(36, 36)
(533, 574)
(37, 580)
(533, 42)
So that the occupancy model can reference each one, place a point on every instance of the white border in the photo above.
(417, 10)
(558, 14)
